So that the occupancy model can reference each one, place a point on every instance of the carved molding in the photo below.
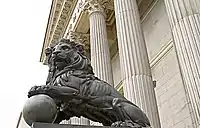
(59, 17)
(77, 37)
(102, 6)
(80, 38)
(61, 24)
(161, 54)
(92, 6)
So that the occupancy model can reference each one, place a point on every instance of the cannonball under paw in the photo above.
(39, 108)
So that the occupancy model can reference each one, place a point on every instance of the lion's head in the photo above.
(67, 54)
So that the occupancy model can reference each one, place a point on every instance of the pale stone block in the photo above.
(170, 93)
(116, 70)
(156, 29)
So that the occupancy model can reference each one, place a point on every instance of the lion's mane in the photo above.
(81, 63)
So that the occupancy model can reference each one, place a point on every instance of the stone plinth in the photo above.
(48, 125)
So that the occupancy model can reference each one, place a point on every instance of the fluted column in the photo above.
(100, 55)
(78, 38)
(136, 74)
(184, 17)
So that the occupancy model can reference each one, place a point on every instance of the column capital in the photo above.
(92, 6)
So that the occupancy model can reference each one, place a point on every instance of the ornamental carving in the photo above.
(96, 6)
(80, 38)
(77, 37)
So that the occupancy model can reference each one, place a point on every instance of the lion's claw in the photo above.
(126, 123)
(37, 90)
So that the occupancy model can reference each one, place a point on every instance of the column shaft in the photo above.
(138, 84)
(78, 38)
(100, 55)
(184, 17)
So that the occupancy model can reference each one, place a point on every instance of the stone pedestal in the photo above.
(45, 125)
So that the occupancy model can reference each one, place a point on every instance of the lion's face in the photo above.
(62, 55)
(66, 55)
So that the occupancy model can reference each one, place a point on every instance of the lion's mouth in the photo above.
(59, 61)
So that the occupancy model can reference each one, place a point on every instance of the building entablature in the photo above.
(70, 15)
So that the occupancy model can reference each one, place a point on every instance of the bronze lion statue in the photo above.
(77, 92)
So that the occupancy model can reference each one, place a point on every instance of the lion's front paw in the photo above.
(126, 123)
(38, 90)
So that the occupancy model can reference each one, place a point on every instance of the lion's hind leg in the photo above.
(130, 114)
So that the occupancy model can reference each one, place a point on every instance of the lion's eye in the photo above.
(65, 47)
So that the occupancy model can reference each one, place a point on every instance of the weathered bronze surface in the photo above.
(77, 92)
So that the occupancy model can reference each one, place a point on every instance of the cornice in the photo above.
(60, 14)
(47, 28)
(63, 20)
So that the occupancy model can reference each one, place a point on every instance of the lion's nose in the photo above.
(56, 52)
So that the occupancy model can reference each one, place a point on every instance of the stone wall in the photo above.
(171, 99)
(156, 29)
(116, 70)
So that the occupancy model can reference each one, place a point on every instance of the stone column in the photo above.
(184, 18)
(136, 73)
(78, 38)
(100, 55)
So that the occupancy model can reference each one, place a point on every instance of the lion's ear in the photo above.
(80, 48)
(48, 51)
